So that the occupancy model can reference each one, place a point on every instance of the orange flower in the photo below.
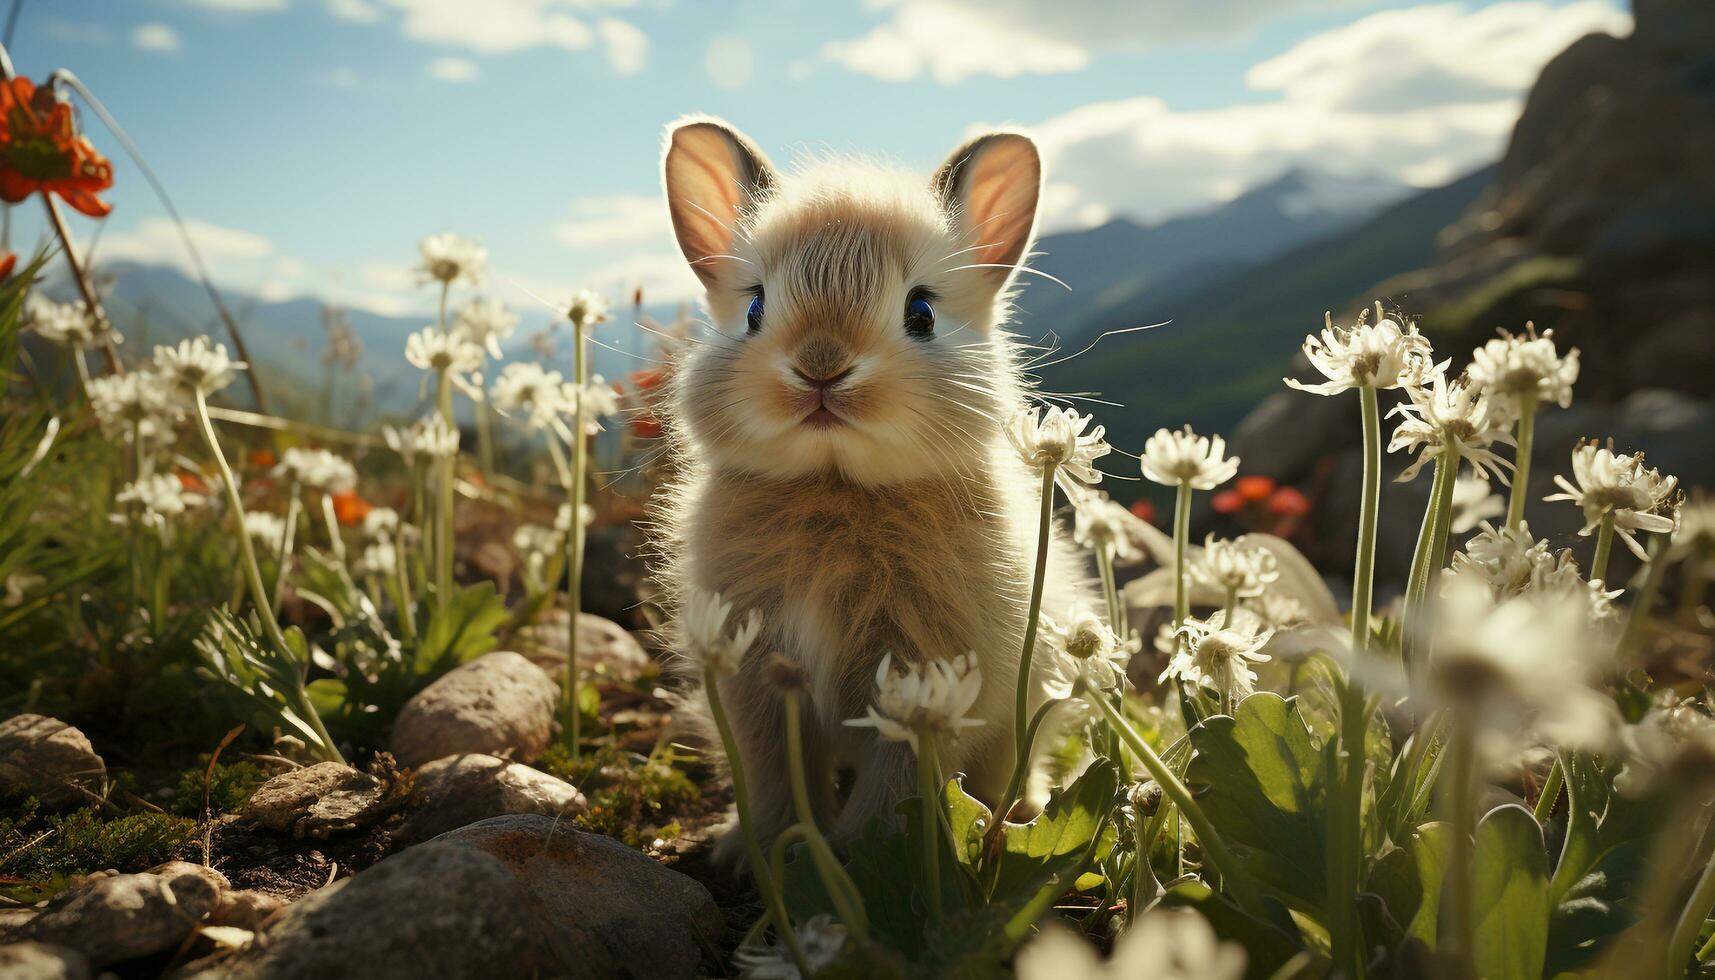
(350, 509)
(42, 151)
(1254, 488)
(192, 482)
(1227, 502)
(1288, 502)
(648, 379)
(646, 427)
(8, 262)
(1144, 510)
(262, 459)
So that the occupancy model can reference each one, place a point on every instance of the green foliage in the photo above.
(1608, 839)
(1511, 895)
(229, 787)
(635, 799)
(40, 849)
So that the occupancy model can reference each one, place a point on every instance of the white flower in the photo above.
(66, 324)
(379, 558)
(821, 937)
(1695, 539)
(930, 697)
(1383, 354)
(1162, 944)
(1473, 503)
(151, 500)
(449, 259)
(586, 309)
(433, 437)
(1519, 668)
(1215, 655)
(316, 468)
(1511, 368)
(543, 395)
(534, 539)
(486, 323)
(1507, 558)
(450, 353)
(270, 529)
(1674, 741)
(1611, 483)
(139, 400)
(1087, 649)
(705, 640)
(598, 401)
(1098, 522)
(1235, 566)
(196, 365)
(380, 523)
(1172, 458)
(1452, 419)
(563, 517)
(1058, 438)
(1281, 611)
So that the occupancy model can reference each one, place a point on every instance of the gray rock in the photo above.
(113, 917)
(599, 908)
(604, 646)
(51, 760)
(462, 789)
(40, 961)
(319, 800)
(246, 908)
(500, 704)
(430, 911)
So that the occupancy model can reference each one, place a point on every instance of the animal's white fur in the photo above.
(909, 530)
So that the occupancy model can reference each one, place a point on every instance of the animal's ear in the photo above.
(991, 186)
(712, 174)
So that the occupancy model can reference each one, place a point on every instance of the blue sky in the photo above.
(313, 142)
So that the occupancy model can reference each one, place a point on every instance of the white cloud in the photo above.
(156, 37)
(356, 11)
(504, 26)
(1333, 110)
(951, 40)
(155, 240)
(239, 6)
(627, 47)
(453, 69)
(730, 61)
(608, 222)
(342, 77)
(663, 276)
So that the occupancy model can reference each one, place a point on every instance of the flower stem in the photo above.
(1604, 546)
(1461, 816)
(1638, 617)
(1363, 578)
(1021, 700)
(288, 533)
(1110, 589)
(1015, 785)
(1215, 852)
(1521, 459)
(335, 540)
(485, 436)
(1181, 531)
(1550, 792)
(931, 800)
(81, 277)
(1416, 585)
(753, 851)
(253, 578)
(444, 495)
(575, 541)
(406, 610)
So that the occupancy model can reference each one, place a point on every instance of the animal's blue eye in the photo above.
(919, 316)
(753, 317)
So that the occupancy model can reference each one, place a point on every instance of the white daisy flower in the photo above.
(196, 365)
(270, 529)
(379, 558)
(1383, 354)
(543, 396)
(1057, 437)
(1088, 650)
(316, 469)
(704, 637)
(821, 937)
(930, 697)
(1219, 656)
(434, 437)
(1452, 419)
(1507, 558)
(140, 400)
(1172, 458)
(66, 324)
(600, 401)
(563, 517)
(485, 323)
(1235, 566)
(1098, 522)
(1473, 503)
(1512, 367)
(445, 352)
(1162, 944)
(449, 259)
(1612, 483)
(1673, 744)
(152, 500)
(586, 309)
(380, 523)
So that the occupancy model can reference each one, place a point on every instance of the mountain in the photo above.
(1109, 266)
(1231, 337)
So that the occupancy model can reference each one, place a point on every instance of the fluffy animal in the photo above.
(844, 468)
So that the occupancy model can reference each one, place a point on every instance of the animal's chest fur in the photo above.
(845, 574)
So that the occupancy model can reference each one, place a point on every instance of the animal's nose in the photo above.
(822, 383)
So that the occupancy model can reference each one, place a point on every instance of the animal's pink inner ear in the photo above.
(1001, 184)
(710, 177)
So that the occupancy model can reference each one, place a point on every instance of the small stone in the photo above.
(50, 760)
(117, 917)
(499, 704)
(326, 798)
(462, 789)
(40, 961)
(246, 908)
(604, 646)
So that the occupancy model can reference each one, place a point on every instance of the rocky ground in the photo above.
(462, 850)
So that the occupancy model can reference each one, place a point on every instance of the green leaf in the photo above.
(970, 820)
(1267, 946)
(1058, 841)
(327, 696)
(1601, 863)
(1510, 896)
(1260, 779)
(1408, 880)
(460, 630)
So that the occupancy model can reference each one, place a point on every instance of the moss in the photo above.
(632, 798)
(229, 788)
(40, 851)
